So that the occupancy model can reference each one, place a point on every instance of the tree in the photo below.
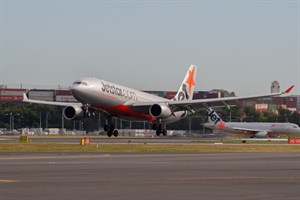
(295, 118)
(284, 115)
(250, 114)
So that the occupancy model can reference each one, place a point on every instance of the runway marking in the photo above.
(7, 139)
(53, 157)
(82, 155)
(8, 181)
(236, 177)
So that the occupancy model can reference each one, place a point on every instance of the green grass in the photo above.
(168, 148)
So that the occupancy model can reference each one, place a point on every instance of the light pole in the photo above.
(190, 125)
(12, 120)
(10, 114)
(47, 118)
(99, 122)
(40, 119)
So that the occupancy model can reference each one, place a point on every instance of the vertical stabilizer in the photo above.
(186, 89)
(214, 118)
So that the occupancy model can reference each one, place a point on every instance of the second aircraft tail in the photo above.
(214, 118)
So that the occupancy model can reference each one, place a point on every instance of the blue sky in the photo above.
(241, 46)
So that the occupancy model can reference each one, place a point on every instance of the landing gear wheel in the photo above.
(164, 132)
(161, 130)
(115, 133)
(109, 133)
(157, 132)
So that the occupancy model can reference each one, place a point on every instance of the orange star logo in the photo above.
(190, 79)
(222, 125)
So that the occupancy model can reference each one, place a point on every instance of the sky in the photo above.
(238, 45)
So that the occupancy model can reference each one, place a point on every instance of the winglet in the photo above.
(288, 90)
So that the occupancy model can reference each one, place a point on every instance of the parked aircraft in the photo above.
(254, 129)
(121, 102)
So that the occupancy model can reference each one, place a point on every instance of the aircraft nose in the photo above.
(78, 90)
(75, 89)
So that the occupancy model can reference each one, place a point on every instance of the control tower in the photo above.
(275, 88)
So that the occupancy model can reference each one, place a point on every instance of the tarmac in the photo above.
(139, 176)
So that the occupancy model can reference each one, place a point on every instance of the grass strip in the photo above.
(151, 148)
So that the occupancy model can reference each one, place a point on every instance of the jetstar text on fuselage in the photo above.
(117, 91)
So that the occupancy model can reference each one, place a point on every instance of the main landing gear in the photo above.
(159, 129)
(111, 130)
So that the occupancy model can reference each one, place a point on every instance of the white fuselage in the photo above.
(116, 100)
(255, 128)
(275, 128)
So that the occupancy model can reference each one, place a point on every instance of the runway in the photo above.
(150, 176)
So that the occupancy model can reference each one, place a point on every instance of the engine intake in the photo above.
(160, 111)
(73, 113)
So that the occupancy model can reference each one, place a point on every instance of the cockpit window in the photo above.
(295, 126)
(79, 83)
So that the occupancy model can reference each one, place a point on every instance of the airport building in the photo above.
(271, 104)
(64, 96)
(43, 95)
(11, 94)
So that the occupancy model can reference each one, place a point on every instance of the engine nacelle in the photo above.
(160, 111)
(261, 134)
(73, 113)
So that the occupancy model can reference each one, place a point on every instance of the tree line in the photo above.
(26, 115)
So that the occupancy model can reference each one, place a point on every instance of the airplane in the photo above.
(116, 101)
(254, 129)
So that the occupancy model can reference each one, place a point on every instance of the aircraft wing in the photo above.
(204, 103)
(25, 99)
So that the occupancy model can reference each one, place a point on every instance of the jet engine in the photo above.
(160, 111)
(261, 134)
(73, 113)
